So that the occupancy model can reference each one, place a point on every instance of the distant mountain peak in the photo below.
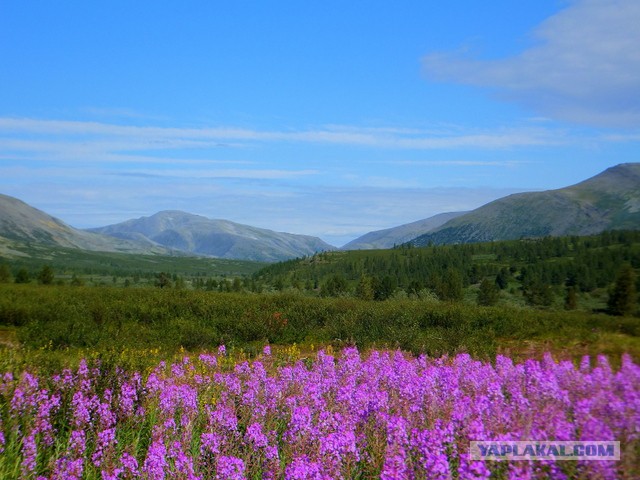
(200, 235)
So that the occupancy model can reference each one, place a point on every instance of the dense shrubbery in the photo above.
(107, 318)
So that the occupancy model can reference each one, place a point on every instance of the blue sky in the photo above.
(324, 118)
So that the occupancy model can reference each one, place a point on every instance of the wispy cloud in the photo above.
(82, 137)
(584, 68)
(459, 163)
(262, 174)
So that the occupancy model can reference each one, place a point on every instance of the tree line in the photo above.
(539, 271)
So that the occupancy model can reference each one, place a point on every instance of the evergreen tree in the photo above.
(5, 274)
(46, 275)
(622, 297)
(488, 293)
(450, 288)
(383, 289)
(23, 276)
(571, 299)
(334, 286)
(163, 280)
(502, 279)
(538, 294)
(364, 289)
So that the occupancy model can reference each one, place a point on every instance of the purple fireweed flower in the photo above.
(395, 463)
(271, 452)
(177, 370)
(77, 443)
(105, 440)
(154, 383)
(255, 436)
(431, 451)
(225, 417)
(472, 469)
(222, 350)
(82, 407)
(67, 469)
(47, 406)
(29, 454)
(395, 466)
(340, 445)
(301, 421)
(110, 475)
(183, 464)
(155, 464)
(230, 468)
(6, 383)
(520, 471)
(242, 369)
(128, 399)
(182, 396)
(210, 443)
(266, 351)
(208, 359)
(231, 383)
(303, 468)
(129, 464)
(408, 418)
(106, 417)
(25, 395)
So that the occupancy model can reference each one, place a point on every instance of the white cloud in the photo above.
(262, 174)
(585, 66)
(80, 138)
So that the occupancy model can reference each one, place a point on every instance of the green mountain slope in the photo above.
(608, 201)
(389, 237)
(19, 222)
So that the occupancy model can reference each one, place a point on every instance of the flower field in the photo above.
(350, 415)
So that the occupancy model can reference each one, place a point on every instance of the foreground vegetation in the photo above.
(55, 318)
(105, 382)
(379, 416)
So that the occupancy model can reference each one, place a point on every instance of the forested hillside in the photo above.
(538, 272)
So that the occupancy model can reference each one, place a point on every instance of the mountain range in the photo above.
(200, 235)
(20, 222)
(610, 200)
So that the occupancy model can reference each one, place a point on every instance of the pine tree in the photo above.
(364, 289)
(23, 276)
(488, 294)
(5, 274)
(571, 299)
(622, 297)
(502, 279)
(450, 289)
(46, 276)
(163, 280)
